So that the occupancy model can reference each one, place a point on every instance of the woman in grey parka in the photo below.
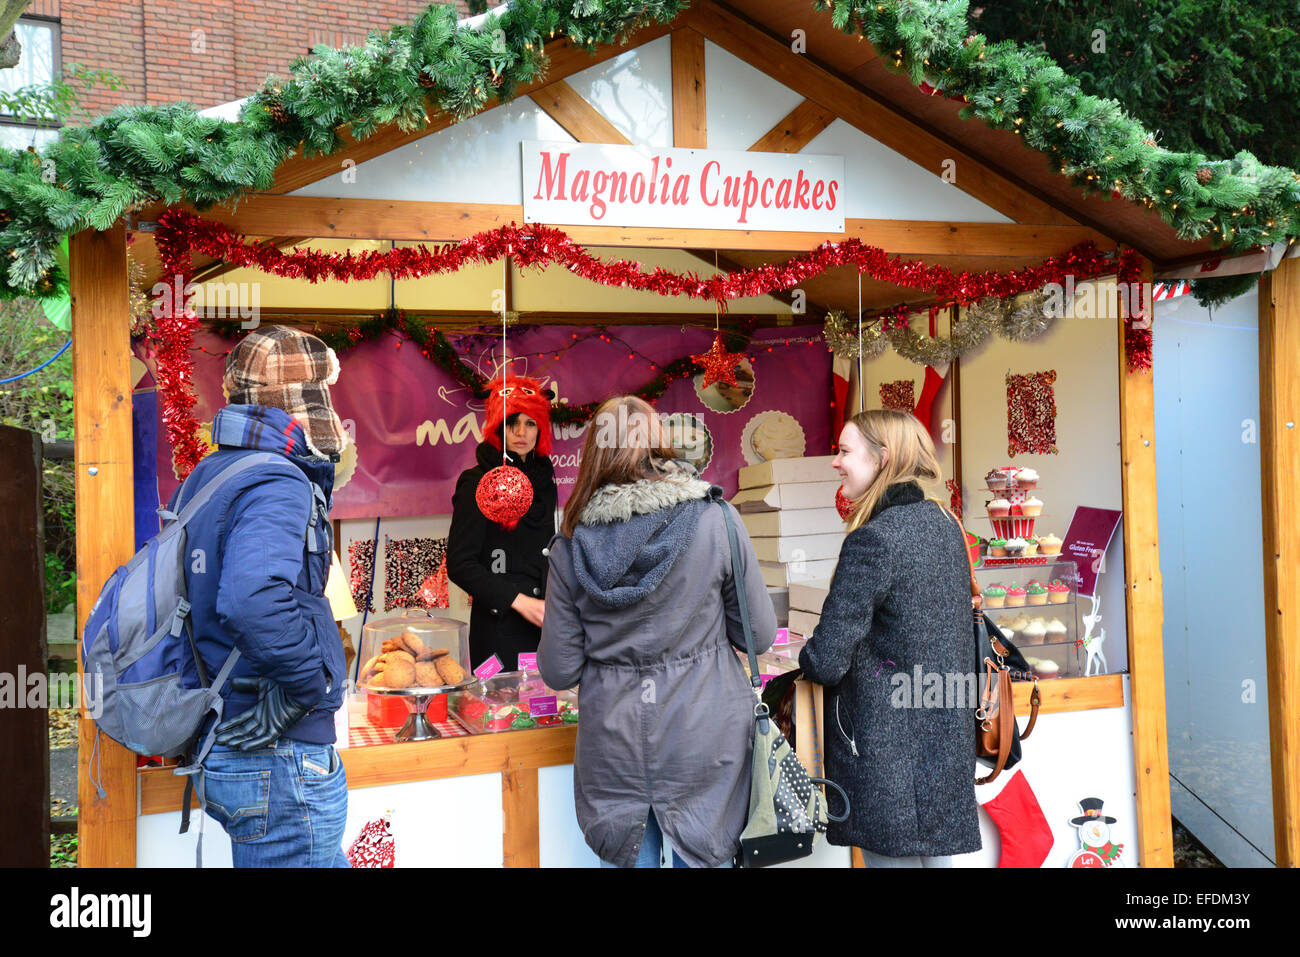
(641, 610)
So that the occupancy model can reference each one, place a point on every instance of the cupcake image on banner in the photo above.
(724, 397)
(772, 435)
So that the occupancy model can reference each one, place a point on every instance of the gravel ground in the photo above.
(1189, 852)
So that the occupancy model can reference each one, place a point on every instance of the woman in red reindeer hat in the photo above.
(504, 570)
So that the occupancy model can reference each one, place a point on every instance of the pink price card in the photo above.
(528, 661)
(543, 705)
(782, 636)
(489, 668)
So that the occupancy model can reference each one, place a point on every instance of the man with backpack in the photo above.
(260, 551)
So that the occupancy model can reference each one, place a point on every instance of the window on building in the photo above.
(39, 64)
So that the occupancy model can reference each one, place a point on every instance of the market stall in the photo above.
(903, 288)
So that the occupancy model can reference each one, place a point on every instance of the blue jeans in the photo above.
(282, 806)
(652, 844)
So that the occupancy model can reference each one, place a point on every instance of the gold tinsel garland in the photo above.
(1018, 319)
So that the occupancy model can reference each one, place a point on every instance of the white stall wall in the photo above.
(451, 822)
(1208, 475)
(1084, 353)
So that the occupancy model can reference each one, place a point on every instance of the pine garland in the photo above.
(92, 175)
(1240, 203)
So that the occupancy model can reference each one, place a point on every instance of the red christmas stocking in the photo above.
(934, 379)
(1026, 837)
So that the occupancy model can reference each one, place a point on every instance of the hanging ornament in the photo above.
(843, 504)
(1204, 175)
(504, 495)
(719, 365)
(408, 563)
(1031, 414)
(435, 591)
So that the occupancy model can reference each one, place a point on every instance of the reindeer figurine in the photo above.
(1095, 663)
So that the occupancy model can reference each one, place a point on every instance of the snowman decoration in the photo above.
(1096, 848)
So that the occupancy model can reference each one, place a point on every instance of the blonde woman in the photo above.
(895, 651)
(642, 610)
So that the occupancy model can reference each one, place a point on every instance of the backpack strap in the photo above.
(742, 599)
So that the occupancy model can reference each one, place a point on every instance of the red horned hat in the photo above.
(510, 394)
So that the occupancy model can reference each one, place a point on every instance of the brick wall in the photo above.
(206, 51)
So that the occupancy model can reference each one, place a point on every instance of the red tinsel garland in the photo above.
(172, 334)
(180, 234)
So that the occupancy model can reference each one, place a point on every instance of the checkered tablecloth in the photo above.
(363, 734)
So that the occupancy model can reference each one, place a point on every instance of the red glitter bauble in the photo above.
(504, 495)
(842, 504)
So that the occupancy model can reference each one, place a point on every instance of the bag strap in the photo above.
(1006, 716)
(1035, 699)
(742, 599)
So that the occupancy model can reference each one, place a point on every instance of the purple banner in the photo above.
(416, 428)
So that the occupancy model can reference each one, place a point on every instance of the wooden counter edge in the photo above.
(161, 790)
(1072, 694)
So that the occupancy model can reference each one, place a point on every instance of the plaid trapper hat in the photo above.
(286, 369)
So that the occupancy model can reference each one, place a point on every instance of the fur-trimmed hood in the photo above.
(618, 503)
(630, 536)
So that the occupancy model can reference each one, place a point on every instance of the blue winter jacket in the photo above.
(256, 579)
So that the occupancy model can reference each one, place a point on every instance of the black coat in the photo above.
(899, 602)
(494, 565)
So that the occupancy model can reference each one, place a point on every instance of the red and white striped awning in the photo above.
(1168, 290)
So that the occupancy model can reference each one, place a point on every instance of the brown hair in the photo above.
(624, 444)
(911, 458)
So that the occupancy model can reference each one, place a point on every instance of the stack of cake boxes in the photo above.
(788, 506)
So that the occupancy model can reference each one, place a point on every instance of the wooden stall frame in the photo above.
(101, 339)
(1143, 599)
(1043, 227)
(1279, 412)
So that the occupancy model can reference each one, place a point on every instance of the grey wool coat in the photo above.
(641, 610)
(899, 602)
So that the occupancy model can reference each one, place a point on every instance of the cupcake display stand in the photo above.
(1014, 526)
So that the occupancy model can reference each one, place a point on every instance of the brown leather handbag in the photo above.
(997, 736)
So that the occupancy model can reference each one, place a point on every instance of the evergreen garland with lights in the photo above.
(92, 175)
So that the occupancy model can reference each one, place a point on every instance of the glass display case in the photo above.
(1037, 606)
(512, 701)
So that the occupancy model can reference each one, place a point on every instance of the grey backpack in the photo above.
(139, 633)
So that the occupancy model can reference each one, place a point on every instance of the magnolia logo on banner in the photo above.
(601, 185)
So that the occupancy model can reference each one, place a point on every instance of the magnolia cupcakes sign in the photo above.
(601, 185)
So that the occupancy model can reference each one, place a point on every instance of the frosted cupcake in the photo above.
(1015, 597)
(1047, 669)
(997, 547)
(1034, 633)
(1027, 478)
(1031, 548)
(995, 479)
(1031, 507)
(1056, 630)
(1021, 622)
(1015, 547)
(1058, 592)
(1036, 594)
(1049, 545)
(999, 507)
(995, 596)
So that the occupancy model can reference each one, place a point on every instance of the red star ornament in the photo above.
(719, 365)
